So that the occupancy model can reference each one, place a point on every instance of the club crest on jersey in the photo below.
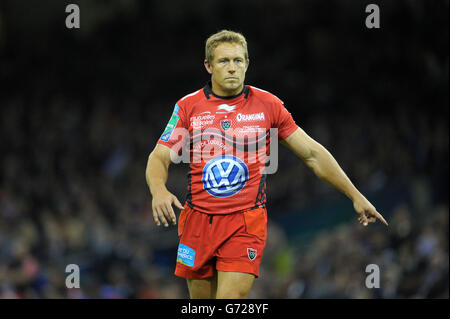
(251, 253)
(226, 124)
(224, 176)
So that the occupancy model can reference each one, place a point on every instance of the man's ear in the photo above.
(207, 66)
(246, 66)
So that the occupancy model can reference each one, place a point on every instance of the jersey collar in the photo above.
(207, 90)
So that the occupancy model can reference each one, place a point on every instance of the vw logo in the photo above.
(224, 176)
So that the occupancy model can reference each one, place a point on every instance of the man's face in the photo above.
(228, 69)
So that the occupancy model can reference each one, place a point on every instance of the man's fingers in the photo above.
(171, 213)
(363, 219)
(378, 215)
(159, 218)
(161, 215)
(164, 212)
(155, 216)
(177, 203)
(371, 217)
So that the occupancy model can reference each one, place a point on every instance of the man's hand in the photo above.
(368, 213)
(156, 175)
(162, 207)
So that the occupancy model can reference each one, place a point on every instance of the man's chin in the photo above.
(232, 87)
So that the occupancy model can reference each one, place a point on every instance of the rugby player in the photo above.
(222, 226)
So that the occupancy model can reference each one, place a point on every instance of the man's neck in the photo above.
(217, 91)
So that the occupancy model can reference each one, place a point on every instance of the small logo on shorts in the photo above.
(186, 255)
(251, 253)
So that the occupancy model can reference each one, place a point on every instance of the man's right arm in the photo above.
(156, 174)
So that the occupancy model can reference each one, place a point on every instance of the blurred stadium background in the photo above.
(81, 110)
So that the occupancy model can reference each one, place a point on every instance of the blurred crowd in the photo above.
(73, 192)
(80, 114)
(411, 259)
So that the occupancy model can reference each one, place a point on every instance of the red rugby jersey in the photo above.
(227, 140)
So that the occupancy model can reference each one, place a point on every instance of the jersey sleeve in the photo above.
(174, 135)
(283, 120)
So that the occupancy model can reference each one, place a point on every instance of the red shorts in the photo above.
(231, 242)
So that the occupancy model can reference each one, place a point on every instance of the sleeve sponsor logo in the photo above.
(171, 125)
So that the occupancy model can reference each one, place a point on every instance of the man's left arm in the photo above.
(319, 159)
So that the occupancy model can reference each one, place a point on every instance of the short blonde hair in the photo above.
(224, 36)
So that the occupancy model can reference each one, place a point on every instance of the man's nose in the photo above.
(231, 68)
